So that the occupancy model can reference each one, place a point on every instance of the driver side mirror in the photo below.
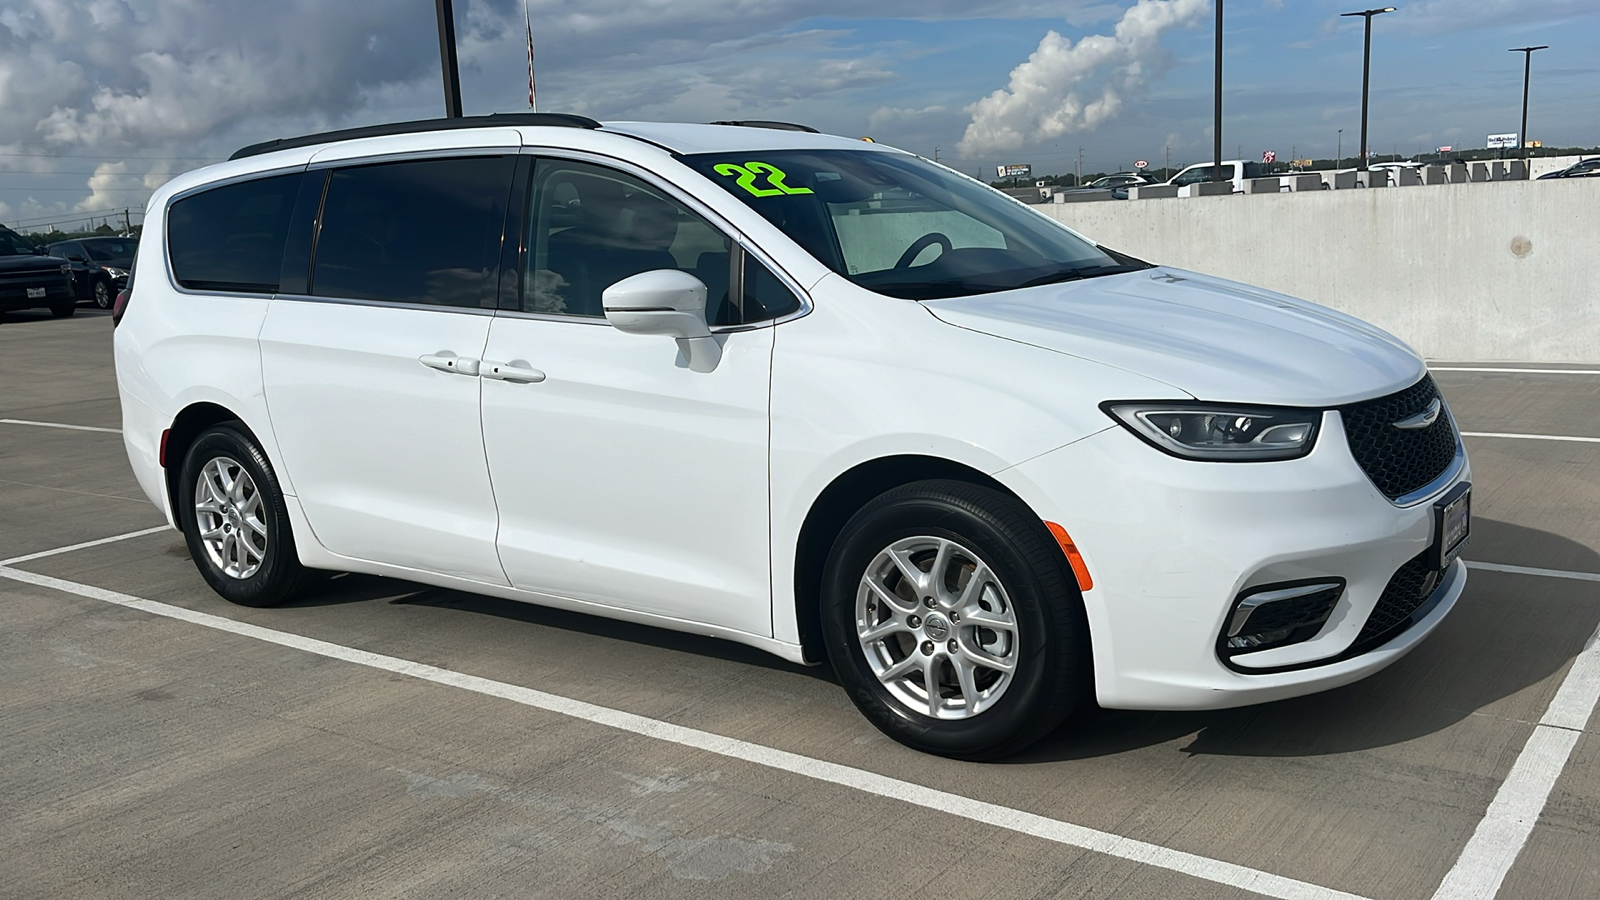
(669, 302)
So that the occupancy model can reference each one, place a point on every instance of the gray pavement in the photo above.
(146, 757)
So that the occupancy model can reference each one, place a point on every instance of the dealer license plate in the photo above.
(35, 293)
(1452, 524)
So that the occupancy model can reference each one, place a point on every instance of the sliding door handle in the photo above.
(516, 371)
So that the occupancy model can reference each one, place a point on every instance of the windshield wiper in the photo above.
(1078, 274)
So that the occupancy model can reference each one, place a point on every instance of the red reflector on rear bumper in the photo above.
(164, 433)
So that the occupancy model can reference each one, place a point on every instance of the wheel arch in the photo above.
(833, 507)
(187, 425)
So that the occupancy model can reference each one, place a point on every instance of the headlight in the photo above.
(1220, 432)
(115, 272)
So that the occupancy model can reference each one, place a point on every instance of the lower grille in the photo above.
(1406, 592)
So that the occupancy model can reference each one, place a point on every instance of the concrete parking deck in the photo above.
(385, 739)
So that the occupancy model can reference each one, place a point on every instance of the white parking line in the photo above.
(1500, 836)
(110, 540)
(1015, 820)
(59, 425)
(1515, 371)
(1529, 570)
(1531, 437)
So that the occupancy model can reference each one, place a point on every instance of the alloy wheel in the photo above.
(937, 627)
(228, 511)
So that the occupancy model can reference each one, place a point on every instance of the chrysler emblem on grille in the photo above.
(1422, 419)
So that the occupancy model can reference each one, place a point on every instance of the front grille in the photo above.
(1404, 595)
(1400, 461)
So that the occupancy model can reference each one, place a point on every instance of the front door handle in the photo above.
(445, 361)
(516, 370)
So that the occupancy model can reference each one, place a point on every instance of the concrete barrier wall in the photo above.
(1488, 272)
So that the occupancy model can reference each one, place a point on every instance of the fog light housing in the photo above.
(1276, 615)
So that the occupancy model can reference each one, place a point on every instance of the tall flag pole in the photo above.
(533, 103)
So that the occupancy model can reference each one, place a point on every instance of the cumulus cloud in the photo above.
(1056, 91)
(191, 80)
(105, 186)
(885, 116)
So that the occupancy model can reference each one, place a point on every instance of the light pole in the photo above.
(1366, 73)
(1216, 127)
(447, 58)
(1340, 157)
(1527, 68)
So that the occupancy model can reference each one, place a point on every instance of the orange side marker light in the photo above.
(1074, 558)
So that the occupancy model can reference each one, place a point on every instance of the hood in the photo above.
(1215, 339)
(28, 262)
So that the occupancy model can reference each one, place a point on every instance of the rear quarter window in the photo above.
(231, 238)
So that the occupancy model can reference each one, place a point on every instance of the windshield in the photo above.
(902, 226)
(11, 245)
(102, 251)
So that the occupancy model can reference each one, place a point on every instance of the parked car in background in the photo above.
(99, 266)
(1391, 170)
(1119, 180)
(1588, 168)
(1236, 171)
(31, 280)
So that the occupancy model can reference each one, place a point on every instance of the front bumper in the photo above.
(14, 291)
(1170, 543)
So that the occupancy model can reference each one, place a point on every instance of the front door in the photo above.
(622, 477)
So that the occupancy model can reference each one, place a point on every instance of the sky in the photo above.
(101, 101)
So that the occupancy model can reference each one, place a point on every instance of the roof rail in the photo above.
(558, 120)
(763, 123)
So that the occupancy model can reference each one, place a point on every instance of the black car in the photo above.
(100, 266)
(31, 280)
(1588, 168)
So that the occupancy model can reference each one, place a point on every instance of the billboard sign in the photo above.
(1499, 141)
(1445, 149)
(1023, 171)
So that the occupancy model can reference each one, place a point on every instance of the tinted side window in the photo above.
(231, 238)
(424, 231)
(592, 227)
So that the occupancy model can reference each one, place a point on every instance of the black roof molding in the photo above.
(778, 126)
(557, 120)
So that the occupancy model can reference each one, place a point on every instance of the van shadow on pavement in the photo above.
(1507, 633)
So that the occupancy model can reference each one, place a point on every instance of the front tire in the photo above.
(951, 617)
(234, 520)
(103, 295)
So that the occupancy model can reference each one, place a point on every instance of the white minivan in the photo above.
(814, 395)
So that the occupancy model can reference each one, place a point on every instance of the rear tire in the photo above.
(234, 520)
(62, 311)
(961, 587)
